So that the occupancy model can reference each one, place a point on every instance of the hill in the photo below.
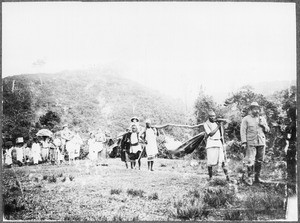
(86, 99)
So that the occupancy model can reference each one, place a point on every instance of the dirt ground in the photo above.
(85, 192)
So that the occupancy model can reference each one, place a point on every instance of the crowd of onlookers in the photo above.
(67, 145)
(55, 149)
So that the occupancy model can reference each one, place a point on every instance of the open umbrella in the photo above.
(44, 132)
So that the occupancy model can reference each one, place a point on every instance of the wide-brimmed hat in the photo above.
(254, 104)
(20, 140)
(134, 118)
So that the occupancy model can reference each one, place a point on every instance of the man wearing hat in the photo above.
(214, 144)
(135, 121)
(253, 139)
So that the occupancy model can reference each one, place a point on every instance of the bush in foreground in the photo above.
(189, 209)
(115, 191)
(218, 197)
(135, 193)
(153, 196)
(264, 203)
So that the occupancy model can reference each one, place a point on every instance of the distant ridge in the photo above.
(92, 99)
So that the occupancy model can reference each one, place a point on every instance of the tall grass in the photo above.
(189, 209)
(153, 196)
(52, 179)
(219, 196)
(122, 218)
(234, 215)
(135, 193)
(115, 191)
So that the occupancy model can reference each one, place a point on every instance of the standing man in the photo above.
(149, 135)
(214, 144)
(125, 147)
(253, 139)
(66, 135)
(100, 139)
(19, 150)
(135, 147)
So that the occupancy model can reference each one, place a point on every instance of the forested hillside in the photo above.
(85, 100)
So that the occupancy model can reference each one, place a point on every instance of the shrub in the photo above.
(63, 179)
(60, 175)
(71, 178)
(233, 215)
(122, 218)
(190, 209)
(218, 182)
(195, 193)
(52, 179)
(135, 218)
(115, 191)
(135, 193)
(217, 197)
(153, 196)
(45, 177)
(264, 202)
(118, 218)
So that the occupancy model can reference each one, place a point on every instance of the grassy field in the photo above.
(176, 190)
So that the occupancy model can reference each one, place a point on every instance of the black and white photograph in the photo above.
(149, 111)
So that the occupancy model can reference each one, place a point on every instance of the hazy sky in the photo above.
(173, 47)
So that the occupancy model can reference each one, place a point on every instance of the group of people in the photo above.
(136, 140)
(253, 129)
(44, 148)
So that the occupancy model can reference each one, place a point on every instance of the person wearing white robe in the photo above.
(8, 154)
(214, 145)
(93, 152)
(19, 150)
(149, 135)
(35, 151)
(100, 139)
(77, 143)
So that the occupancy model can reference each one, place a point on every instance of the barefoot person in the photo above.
(135, 147)
(214, 144)
(253, 140)
(149, 135)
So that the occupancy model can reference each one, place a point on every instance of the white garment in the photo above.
(35, 150)
(215, 140)
(19, 151)
(77, 143)
(8, 156)
(70, 147)
(93, 152)
(151, 147)
(133, 140)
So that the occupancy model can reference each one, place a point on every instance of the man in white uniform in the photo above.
(149, 134)
(214, 145)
